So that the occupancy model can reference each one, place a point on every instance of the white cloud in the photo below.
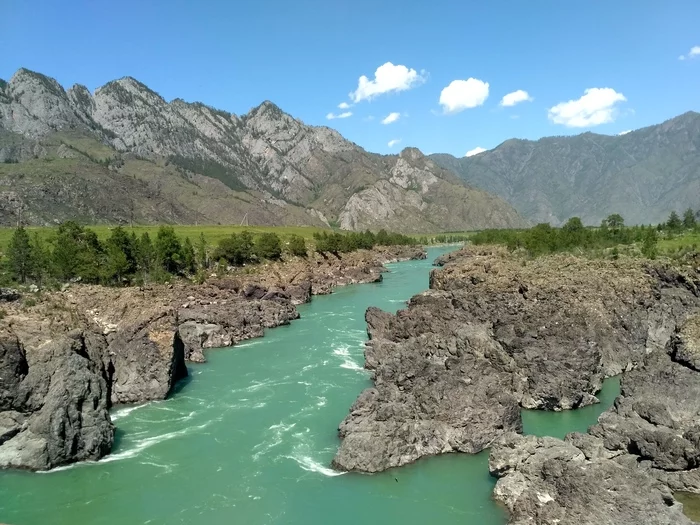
(369, 118)
(595, 107)
(387, 78)
(625, 132)
(693, 53)
(475, 151)
(332, 116)
(464, 94)
(343, 105)
(391, 117)
(511, 99)
(393, 142)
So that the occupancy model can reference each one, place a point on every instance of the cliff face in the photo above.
(185, 162)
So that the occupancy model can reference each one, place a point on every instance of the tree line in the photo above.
(75, 253)
(543, 238)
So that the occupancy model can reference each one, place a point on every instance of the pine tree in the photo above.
(689, 221)
(674, 222)
(202, 252)
(188, 257)
(19, 254)
(42, 259)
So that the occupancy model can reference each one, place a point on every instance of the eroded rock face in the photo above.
(433, 394)
(143, 361)
(61, 411)
(225, 324)
(576, 482)
(495, 334)
(626, 468)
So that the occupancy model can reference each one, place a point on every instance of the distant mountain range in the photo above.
(124, 154)
(643, 175)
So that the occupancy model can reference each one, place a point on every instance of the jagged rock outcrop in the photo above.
(227, 322)
(576, 482)
(627, 468)
(265, 167)
(59, 410)
(495, 333)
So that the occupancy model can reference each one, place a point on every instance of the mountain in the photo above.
(124, 154)
(643, 175)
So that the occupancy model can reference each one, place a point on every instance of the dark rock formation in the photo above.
(494, 334)
(643, 449)
(225, 323)
(61, 409)
(142, 361)
(576, 482)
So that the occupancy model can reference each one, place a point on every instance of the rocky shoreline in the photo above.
(495, 334)
(67, 359)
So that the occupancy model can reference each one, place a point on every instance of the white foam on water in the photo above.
(167, 468)
(321, 401)
(311, 465)
(342, 351)
(349, 364)
(143, 444)
(124, 411)
(278, 432)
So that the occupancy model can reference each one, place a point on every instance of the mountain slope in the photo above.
(126, 154)
(642, 175)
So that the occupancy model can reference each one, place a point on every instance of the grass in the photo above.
(212, 233)
(676, 243)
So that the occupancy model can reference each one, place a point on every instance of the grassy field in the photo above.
(212, 233)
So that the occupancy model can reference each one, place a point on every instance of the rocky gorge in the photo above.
(495, 334)
(67, 359)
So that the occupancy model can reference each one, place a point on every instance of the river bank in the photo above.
(65, 360)
(496, 334)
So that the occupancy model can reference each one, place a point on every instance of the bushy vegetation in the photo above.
(574, 236)
(75, 253)
(349, 242)
(72, 252)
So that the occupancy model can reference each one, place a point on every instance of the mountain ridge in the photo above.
(285, 171)
(643, 174)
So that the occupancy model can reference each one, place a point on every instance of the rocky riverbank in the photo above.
(495, 334)
(66, 359)
(626, 469)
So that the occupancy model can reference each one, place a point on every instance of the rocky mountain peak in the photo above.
(288, 171)
(411, 154)
(38, 105)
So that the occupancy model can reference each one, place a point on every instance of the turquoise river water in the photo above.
(248, 438)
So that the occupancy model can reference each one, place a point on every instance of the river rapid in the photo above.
(249, 436)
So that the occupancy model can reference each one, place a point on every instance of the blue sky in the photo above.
(308, 56)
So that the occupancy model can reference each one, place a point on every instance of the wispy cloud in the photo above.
(475, 151)
(344, 105)
(516, 97)
(332, 116)
(625, 132)
(693, 53)
(391, 117)
(393, 142)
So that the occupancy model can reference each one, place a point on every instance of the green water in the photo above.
(248, 438)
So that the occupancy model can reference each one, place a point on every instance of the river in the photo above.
(248, 437)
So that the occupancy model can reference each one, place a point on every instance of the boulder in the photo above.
(64, 416)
